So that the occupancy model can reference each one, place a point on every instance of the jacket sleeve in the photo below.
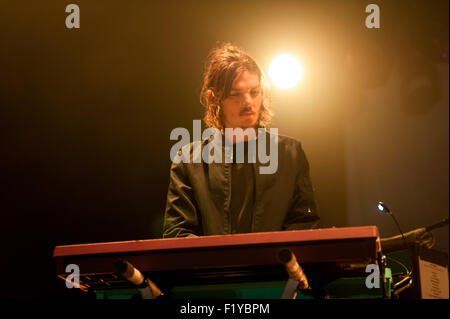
(181, 214)
(303, 212)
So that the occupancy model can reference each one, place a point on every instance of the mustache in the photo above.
(245, 109)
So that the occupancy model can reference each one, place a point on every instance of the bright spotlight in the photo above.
(285, 71)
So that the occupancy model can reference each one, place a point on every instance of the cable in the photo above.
(408, 272)
(407, 278)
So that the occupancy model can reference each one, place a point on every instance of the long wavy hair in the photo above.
(225, 63)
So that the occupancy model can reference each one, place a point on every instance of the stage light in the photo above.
(285, 71)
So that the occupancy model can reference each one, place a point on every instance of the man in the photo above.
(210, 198)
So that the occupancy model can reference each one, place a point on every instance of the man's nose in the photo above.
(247, 99)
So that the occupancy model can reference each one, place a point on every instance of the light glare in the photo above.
(285, 71)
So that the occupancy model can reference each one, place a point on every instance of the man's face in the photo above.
(241, 108)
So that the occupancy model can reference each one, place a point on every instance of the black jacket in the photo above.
(198, 199)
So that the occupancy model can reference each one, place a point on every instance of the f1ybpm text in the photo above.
(245, 308)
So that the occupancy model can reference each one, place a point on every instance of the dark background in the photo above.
(86, 114)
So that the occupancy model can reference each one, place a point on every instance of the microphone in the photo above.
(145, 286)
(295, 271)
(419, 235)
(422, 235)
(130, 273)
(442, 223)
